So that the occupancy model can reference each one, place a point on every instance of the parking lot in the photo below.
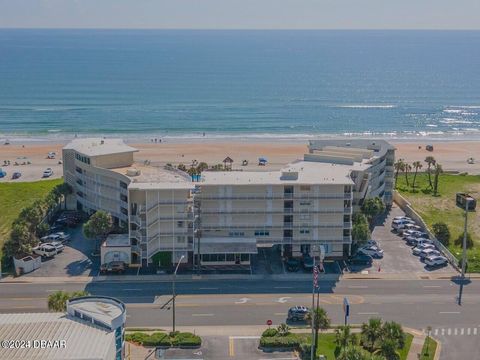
(398, 257)
(75, 260)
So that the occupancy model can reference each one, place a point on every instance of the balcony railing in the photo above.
(249, 226)
(136, 234)
(273, 197)
(275, 211)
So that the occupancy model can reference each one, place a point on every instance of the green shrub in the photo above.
(290, 341)
(459, 241)
(442, 232)
(157, 339)
(187, 339)
(270, 332)
(137, 337)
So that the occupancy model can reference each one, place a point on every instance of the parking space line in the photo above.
(203, 314)
(449, 312)
(231, 348)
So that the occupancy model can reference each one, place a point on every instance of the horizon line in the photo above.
(239, 29)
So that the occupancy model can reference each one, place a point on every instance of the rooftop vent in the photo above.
(133, 172)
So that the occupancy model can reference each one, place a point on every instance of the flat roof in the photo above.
(299, 172)
(83, 340)
(116, 240)
(144, 176)
(99, 309)
(227, 245)
(99, 146)
(379, 146)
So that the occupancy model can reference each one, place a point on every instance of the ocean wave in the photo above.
(465, 106)
(453, 111)
(359, 106)
(431, 125)
(455, 121)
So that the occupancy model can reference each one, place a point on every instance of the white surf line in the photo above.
(283, 287)
(449, 312)
(202, 314)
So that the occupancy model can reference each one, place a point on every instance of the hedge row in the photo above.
(288, 341)
(163, 339)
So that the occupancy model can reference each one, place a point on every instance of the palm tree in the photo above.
(371, 333)
(344, 337)
(355, 353)
(57, 301)
(406, 169)
(399, 166)
(438, 170)
(388, 350)
(283, 329)
(430, 160)
(393, 331)
(321, 320)
(416, 165)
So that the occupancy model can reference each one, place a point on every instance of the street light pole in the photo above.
(312, 349)
(173, 290)
(464, 255)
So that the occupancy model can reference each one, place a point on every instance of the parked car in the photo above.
(411, 227)
(57, 245)
(48, 172)
(51, 155)
(307, 262)
(16, 175)
(63, 237)
(297, 313)
(400, 224)
(429, 252)
(371, 243)
(417, 250)
(414, 241)
(361, 259)
(414, 233)
(45, 250)
(401, 218)
(292, 264)
(436, 261)
(50, 238)
(113, 266)
(374, 251)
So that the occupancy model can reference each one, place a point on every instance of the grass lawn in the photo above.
(432, 347)
(326, 346)
(16, 196)
(442, 208)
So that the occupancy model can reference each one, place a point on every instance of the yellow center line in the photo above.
(231, 347)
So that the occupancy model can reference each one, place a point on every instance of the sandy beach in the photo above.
(452, 155)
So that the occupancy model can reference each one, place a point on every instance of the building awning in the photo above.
(227, 245)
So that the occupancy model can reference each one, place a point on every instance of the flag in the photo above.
(315, 276)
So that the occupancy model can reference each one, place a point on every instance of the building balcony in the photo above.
(136, 234)
(136, 220)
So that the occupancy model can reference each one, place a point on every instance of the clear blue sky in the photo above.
(241, 14)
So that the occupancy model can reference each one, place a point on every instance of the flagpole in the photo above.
(313, 306)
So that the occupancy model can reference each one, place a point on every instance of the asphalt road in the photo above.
(414, 303)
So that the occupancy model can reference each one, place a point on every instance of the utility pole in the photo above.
(312, 349)
(174, 295)
(464, 255)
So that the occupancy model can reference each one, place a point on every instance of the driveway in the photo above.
(74, 260)
(398, 256)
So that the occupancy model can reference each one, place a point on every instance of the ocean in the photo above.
(239, 84)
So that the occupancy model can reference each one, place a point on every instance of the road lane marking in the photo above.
(455, 331)
(462, 331)
(474, 331)
(449, 312)
(468, 331)
(431, 286)
(231, 348)
(202, 314)
(449, 331)
(283, 300)
(242, 300)
(367, 313)
(244, 337)
(443, 332)
(436, 332)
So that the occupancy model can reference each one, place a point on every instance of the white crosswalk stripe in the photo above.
(453, 331)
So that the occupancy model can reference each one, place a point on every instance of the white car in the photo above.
(429, 253)
(45, 250)
(373, 251)
(63, 237)
(433, 261)
(50, 238)
(414, 233)
(48, 172)
(57, 245)
(400, 224)
(416, 251)
(51, 155)
(401, 218)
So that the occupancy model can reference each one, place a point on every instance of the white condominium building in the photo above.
(222, 217)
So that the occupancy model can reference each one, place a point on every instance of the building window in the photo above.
(262, 233)
(123, 198)
(124, 211)
(123, 185)
(305, 231)
(305, 188)
(230, 257)
(180, 224)
(181, 239)
(236, 234)
(244, 257)
(304, 216)
(305, 203)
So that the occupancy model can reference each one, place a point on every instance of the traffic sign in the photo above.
(346, 309)
(269, 322)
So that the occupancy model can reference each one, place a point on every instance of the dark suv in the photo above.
(114, 267)
(297, 313)
(361, 259)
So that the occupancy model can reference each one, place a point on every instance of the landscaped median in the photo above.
(374, 340)
(163, 339)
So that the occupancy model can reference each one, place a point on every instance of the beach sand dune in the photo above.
(452, 155)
